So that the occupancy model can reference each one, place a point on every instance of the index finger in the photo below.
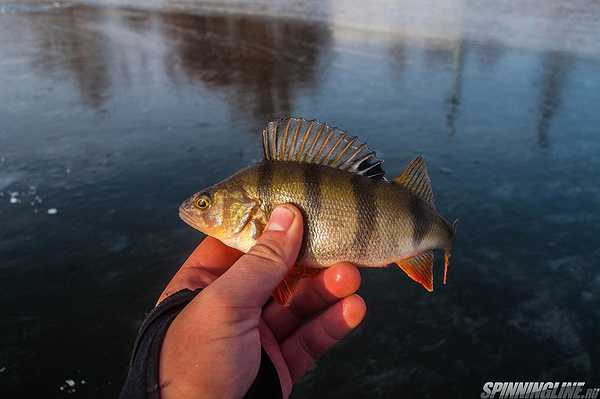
(210, 259)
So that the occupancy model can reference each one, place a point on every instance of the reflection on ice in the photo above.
(110, 116)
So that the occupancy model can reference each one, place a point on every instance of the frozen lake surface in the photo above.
(113, 112)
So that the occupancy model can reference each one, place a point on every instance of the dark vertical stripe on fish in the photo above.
(421, 220)
(366, 213)
(265, 182)
(313, 200)
(312, 186)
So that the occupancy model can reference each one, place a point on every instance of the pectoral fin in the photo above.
(420, 269)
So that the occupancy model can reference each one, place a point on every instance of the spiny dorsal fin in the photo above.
(420, 269)
(299, 140)
(416, 180)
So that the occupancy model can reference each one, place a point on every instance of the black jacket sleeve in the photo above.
(142, 377)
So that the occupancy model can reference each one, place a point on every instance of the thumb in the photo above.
(250, 281)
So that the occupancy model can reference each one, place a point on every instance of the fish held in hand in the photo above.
(351, 211)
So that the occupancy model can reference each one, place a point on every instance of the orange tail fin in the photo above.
(446, 263)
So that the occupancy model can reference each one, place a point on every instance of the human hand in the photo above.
(213, 347)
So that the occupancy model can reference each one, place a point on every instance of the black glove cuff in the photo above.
(142, 378)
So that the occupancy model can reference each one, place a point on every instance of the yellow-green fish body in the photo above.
(351, 212)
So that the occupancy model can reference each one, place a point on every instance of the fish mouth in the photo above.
(186, 217)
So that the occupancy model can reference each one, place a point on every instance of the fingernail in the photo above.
(353, 310)
(281, 219)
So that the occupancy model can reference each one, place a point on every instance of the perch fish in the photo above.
(351, 211)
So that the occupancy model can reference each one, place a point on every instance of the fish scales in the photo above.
(366, 216)
(351, 212)
(325, 200)
(344, 212)
(312, 195)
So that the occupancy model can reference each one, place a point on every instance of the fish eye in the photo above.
(202, 202)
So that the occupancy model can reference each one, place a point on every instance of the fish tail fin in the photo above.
(454, 226)
(419, 268)
(448, 252)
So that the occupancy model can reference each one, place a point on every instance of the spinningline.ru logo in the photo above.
(543, 390)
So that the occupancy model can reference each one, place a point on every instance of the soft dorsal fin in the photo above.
(299, 140)
(416, 180)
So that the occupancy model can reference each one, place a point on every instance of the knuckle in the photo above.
(268, 251)
(308, 348)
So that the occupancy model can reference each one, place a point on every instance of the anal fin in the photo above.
(420, 269)
(285, 289)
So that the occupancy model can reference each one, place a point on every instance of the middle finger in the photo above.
(311, 296)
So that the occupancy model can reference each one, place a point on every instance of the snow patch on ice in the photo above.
(6, 180)
(69, 385)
